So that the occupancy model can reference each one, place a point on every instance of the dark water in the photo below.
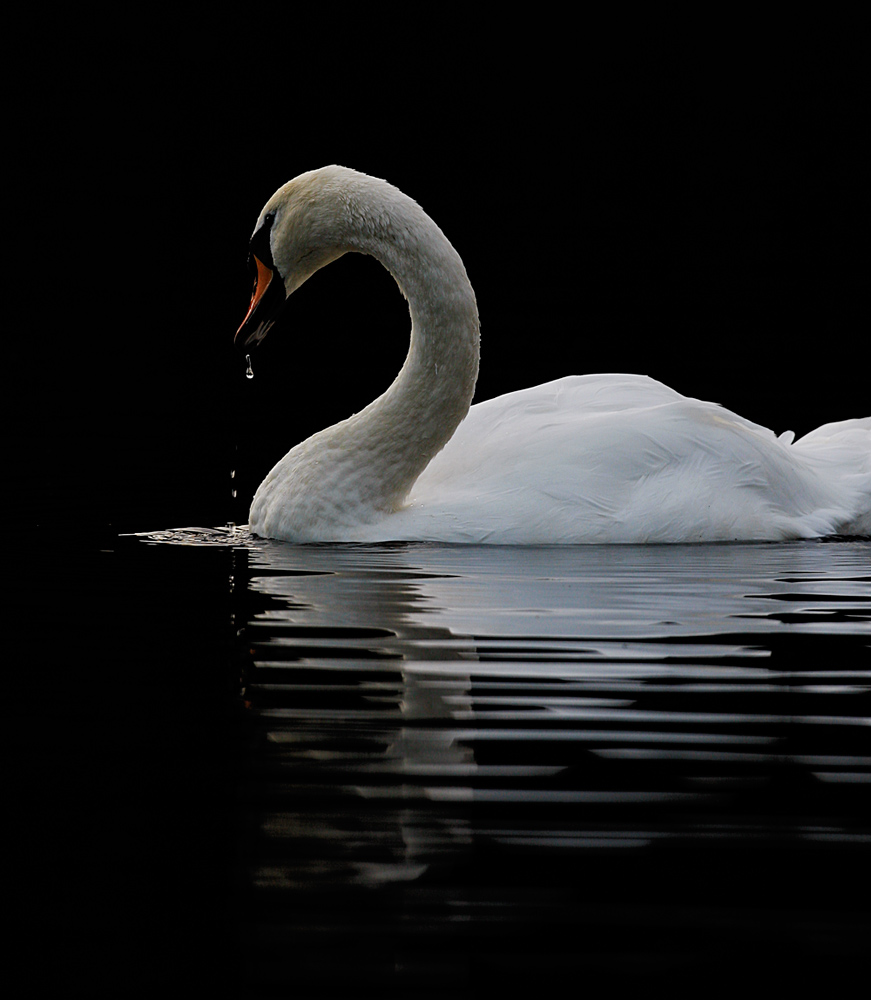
(443, 770)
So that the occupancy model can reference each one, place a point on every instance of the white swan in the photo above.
(592, 458)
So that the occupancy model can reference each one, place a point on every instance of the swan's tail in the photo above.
(841, 453)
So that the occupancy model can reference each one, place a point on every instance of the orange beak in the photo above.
(266, 300)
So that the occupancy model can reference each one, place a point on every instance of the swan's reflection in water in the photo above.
(554, 750)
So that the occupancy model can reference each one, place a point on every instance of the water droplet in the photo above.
(249, 371)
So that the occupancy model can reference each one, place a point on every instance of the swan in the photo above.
(583, 459)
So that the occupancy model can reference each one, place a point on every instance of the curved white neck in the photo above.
(416, 417)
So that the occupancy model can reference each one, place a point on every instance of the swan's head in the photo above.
(306, 224)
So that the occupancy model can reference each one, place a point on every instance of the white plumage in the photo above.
(584, 459)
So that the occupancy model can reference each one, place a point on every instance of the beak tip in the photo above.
(246, 339)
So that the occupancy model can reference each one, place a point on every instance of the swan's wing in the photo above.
(543, 424)
(621, 458)
(571, 431)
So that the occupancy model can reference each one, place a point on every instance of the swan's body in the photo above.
(595, 458)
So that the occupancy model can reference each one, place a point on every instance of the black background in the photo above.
(685, 203)
(685, 207)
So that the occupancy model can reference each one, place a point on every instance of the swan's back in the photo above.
(624, 458)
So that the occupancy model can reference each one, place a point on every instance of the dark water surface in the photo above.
(276, 770)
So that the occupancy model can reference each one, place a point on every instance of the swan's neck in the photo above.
(414, 419)
(361, 469)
